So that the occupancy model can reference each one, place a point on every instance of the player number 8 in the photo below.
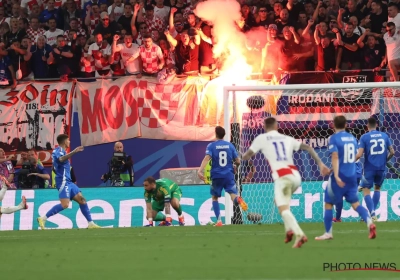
(223, 158)
(349, 153)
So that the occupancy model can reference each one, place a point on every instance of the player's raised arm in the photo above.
(255, 147)
(69, 155)
(322, 167)
(205, 161)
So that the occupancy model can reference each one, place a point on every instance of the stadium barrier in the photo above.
(125, 207)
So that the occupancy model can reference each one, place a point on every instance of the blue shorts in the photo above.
(219, 184)
(70, 190)
(334, 194)
(372, 178)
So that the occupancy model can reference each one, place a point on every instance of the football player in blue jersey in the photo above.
(222, 155)
(67, 190)
(378, 150)
(343, 180)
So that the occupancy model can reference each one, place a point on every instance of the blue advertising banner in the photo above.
(125, 207)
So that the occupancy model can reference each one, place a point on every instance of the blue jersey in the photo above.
(222, 154)
(359, 169)
(376, 146)
(346, 146)
(61, 169)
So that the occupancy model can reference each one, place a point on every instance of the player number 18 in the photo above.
(349, 153)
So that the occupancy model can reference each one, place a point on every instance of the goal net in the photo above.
(306, 112)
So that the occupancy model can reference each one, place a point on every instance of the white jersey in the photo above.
(278, 151)
(395, 20)
(51, 36)
(392, 45)
(126, 53)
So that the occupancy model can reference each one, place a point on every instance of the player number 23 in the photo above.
(375, 143)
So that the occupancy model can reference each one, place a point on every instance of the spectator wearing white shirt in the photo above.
(53, 32)
(100, 50)
(393, 14)
(162, 11)
(392, 40)
(116, 10)
(129, 54)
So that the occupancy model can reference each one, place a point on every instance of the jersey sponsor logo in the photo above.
(355, 93)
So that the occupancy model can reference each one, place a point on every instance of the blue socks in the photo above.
(363, 213)
(53, 211)
(338, 208)
(86, 212)
(375, 198)
(370, 204)
(215, 205)
(328, 220)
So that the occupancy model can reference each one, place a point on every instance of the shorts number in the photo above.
(223, 158)
(375, 143)
(280, 153)
(349, 153)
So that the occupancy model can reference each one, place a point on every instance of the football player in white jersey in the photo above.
(278, 150)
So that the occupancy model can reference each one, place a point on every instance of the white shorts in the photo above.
(285, 186)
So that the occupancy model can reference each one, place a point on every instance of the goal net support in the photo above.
(306, 112)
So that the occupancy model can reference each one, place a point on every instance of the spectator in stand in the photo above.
(106, 28)
(103, 8)
(138, 36)
(392, 40)
(294, 7)
(348, 57)
(61, 56)
(16, 11)
(86, 61)
(277, 10)
(125, 20)
(4, 29)
(393, 14)
(191, 21)
(152, 21)
(100, 51)
(90, 3)
(309, 8)
(16, 53)
(305, 58)
(92, 18)
(116, 10)
(74, 25)
(284, 21)
(186, 52)
(373, 54)
(358, 30)
(290, 47)
(302, 21)
(7, 168)
(23, 24)
(34, 31)
(326, 52)
(169, 56)
(38, 55)
(270, 54)
(333, 9)
(151, 57)
(65, 14)
(7, 71)
(377, 17)
(50, 12)
(156, 36)
(3, 17)
(35, 13)
(190, 9)
(180, 5)
(162, 11)
(175, 25)
(129, 55)
(262, 17)
(206, 60)
(15, 32)
(351, 10)
(53, 32)
(249, 19)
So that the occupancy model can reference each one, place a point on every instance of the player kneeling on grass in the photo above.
(160, 194)
(343, 181)
(278, 150)
(222, 155)
(8, 210)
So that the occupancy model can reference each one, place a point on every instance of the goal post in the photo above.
(305, 112)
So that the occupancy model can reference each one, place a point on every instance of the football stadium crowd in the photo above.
(104, 38)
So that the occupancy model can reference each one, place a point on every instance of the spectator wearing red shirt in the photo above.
(153, 22)
(34, 31)
(100, 50)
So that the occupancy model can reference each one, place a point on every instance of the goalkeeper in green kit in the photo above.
(160, 194)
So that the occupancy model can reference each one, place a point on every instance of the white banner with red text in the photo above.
(32, 115)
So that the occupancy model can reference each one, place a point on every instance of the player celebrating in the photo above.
(378, 150)
(8, 210)
(222, 155)
(67, 190)
(278, 150)
(164, 193)
(343, 181)
(339, 205)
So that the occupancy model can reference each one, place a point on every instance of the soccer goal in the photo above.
(306, 113)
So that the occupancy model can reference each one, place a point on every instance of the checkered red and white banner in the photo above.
(128, 107)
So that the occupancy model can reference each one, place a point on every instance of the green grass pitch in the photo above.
(248, 252)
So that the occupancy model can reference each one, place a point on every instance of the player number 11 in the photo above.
(280, 153)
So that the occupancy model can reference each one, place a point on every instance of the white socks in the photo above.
(44, 218)
(3, 192)
(12, 209)
(291, 223)
(91, 223)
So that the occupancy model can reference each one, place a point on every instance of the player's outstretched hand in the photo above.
(79, 149)
(340, 182)
(324, 169)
